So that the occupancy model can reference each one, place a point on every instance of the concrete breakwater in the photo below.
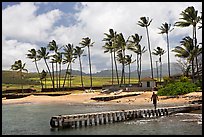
(98, 118)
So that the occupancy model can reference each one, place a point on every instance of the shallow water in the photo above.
(28, 119)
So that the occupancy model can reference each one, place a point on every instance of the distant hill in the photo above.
(175, 69)
(74, 72)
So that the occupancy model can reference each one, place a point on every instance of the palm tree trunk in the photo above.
(116, 68)
(123, 69)
(150, 55)
(160, 70)
(168, 53)
(66, 74)
(60, 68)
(90, 66)
(53, 75)
(140, 67)
(70, 76)
(56, 75)
(193, 70)
(21, 81)
(129, 74)
(82, 85)
(50, 74)
(157, 70)
(45, 83)
(196, 55)
(38, 73)
(193, 78)
(112, 65)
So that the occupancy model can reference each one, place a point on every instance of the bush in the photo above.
(184, 79)
(168, 80)
(177, 88)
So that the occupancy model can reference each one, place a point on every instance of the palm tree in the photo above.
(57, 58)
(86, 42)
(129, 61)
(121, 45)
(186, 51)
(43, 76)
(145, 22)
(78, 52)
(159, 52)
(166, 28)
(43, 54)
(19, 66)
(134, 45)
(200, 27)
(190, 17)
(52, 46)
(111, 39)
(33, 55)
(69, 58)
(108, 48)
(140, 51)
(157, 70)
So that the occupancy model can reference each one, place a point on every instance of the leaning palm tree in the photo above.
(186, 51)
(19, 66)
(166, 28)
(33, 55)
(86, 42)
(111, 39)
(145, 22)
(78, 52)
(69, 58)
(43, 54)
(121, 45)
(159, 52)
(190, 17)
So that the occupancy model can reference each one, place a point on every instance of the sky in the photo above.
(27, 25)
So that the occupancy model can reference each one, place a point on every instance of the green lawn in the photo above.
(75, 82)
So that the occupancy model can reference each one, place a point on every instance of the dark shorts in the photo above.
(154, 101)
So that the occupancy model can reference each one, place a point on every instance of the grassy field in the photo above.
(75, 82)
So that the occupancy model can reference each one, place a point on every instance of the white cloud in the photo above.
(21, 22)
(93, 19)
(13, 50)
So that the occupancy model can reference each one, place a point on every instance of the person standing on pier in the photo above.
(154, 98)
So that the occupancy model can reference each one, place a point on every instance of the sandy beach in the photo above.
(85, 98)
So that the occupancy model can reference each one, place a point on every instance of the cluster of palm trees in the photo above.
(189, 48)
(58, 56)
(117, 45)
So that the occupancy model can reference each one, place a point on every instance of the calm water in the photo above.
(28, 119)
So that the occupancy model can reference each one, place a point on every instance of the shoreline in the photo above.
(85, 99)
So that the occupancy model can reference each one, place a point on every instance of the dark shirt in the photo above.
(154, 98)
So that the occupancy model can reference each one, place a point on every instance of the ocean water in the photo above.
(34, 119)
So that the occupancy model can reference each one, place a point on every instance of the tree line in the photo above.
(117, 46)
